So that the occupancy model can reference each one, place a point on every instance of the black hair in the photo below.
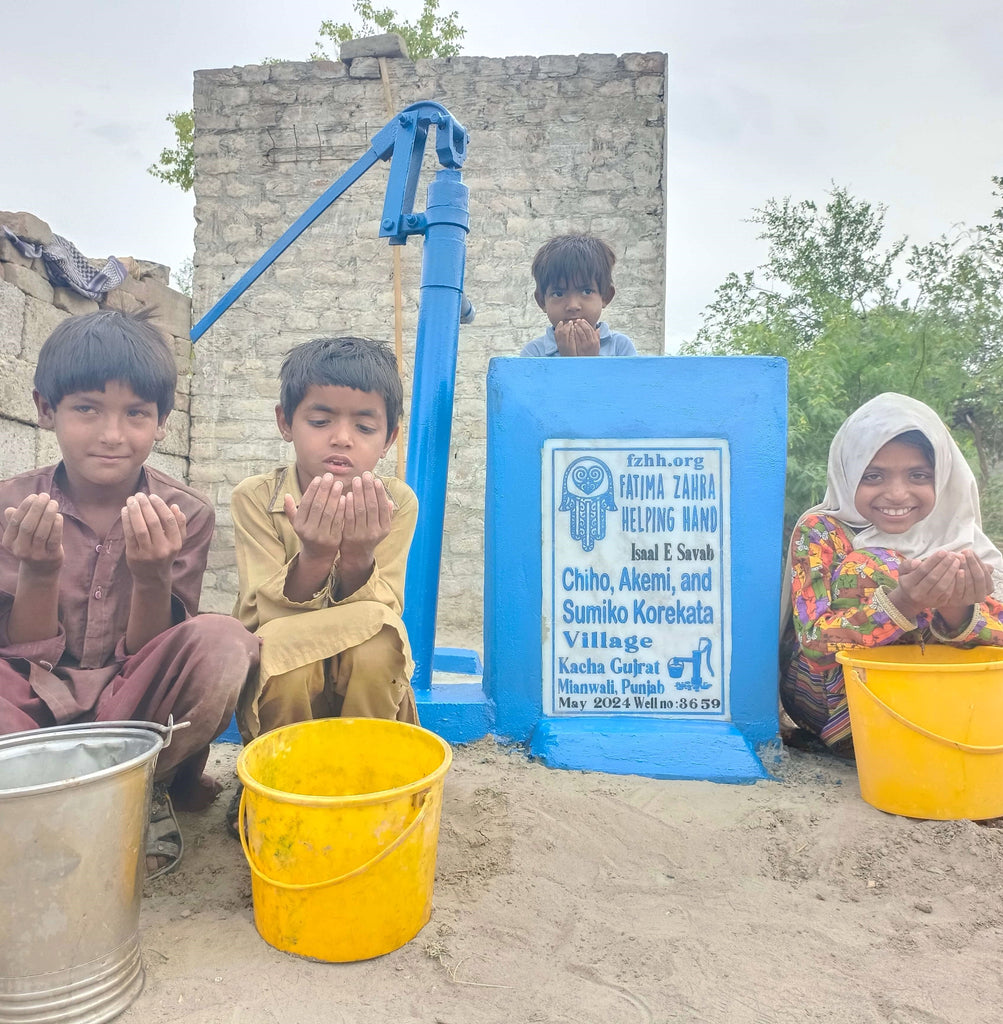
(574, 260)
(85, 352)
(359, 363)
(917, 439)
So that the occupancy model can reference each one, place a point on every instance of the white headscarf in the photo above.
(954, 524)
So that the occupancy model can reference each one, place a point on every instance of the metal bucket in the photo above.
(74, 806)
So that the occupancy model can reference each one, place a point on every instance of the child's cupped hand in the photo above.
(576, 338)
(33, 533)
(948, 582)
(154, 535)
(319, 519)
(368, 511)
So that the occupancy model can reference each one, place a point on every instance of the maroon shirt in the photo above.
(95, 589)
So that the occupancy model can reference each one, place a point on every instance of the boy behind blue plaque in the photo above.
(574, 284)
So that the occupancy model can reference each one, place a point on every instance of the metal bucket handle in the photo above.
(167, 731)
(860, 674)
(306, 886)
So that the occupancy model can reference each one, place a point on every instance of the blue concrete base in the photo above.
(460, 660)
(232, 734)
(458, 712)
(713, 751)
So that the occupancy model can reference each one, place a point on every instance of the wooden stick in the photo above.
(398, 299)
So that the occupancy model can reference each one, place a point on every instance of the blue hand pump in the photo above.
(444, 226)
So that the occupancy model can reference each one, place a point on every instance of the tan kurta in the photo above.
(296, 634)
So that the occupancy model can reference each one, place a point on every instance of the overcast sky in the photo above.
(900, 101)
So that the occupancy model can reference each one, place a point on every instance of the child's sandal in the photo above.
(164, 843)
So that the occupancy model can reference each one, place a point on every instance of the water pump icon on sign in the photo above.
(676, 667)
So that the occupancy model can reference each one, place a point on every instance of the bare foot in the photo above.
(194, 796)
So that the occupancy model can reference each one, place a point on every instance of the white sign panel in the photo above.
(636, 577)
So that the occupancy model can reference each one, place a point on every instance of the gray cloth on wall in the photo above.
(67, 267)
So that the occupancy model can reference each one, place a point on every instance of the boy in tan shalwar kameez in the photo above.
(322, 547)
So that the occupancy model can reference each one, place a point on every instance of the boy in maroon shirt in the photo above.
(101, 564)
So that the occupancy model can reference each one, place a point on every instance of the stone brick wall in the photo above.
(557, 143)
(30, 308)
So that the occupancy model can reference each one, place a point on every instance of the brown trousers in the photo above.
(193, 671)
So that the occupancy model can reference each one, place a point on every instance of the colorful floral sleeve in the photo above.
(840, 596)
(984, 629)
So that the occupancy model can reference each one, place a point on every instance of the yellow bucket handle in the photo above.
(305, 886)
(860, 677)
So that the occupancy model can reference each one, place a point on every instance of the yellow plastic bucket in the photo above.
(927, 729)
(340, 825)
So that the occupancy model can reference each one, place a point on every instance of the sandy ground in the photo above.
(578, 897)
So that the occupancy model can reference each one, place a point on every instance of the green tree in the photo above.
(177, 164)
(431, 35)
(828, 299)
(181, 276)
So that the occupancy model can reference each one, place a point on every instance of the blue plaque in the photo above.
(633, 555)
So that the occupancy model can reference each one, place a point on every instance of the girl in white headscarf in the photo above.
(893, 554)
